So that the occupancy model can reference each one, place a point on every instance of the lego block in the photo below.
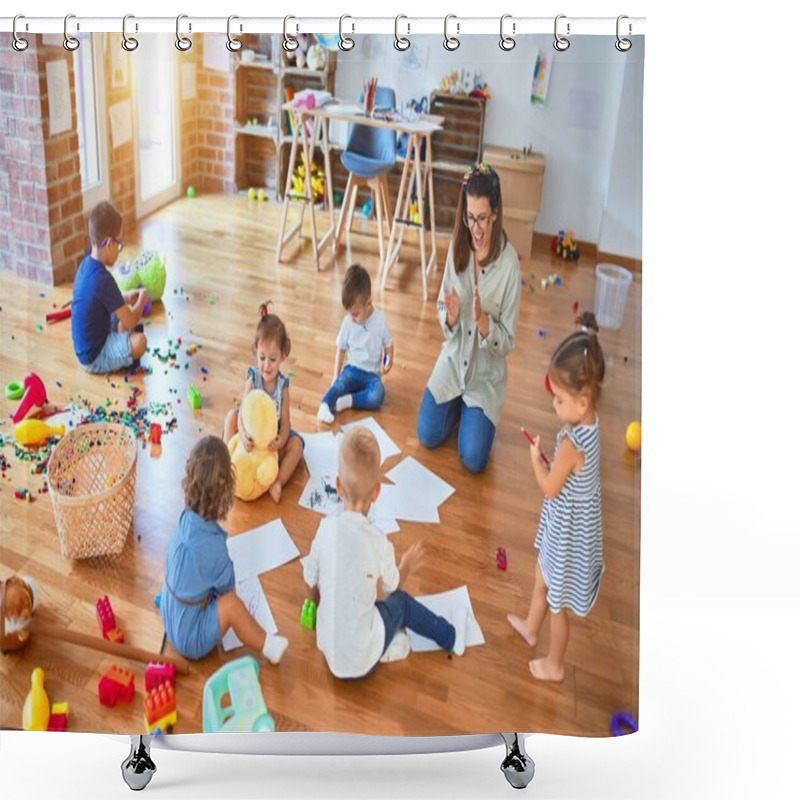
(162, 724)
(158, 703)
(116, 684)
(105, 616)
(193, 397)
(308, 616)
(58, 722)
(155, 433)
(60, 708)
(157, 673)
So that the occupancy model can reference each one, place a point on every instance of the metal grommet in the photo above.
(400, 42)
(19, 43)
(451, 43)
(345, 42)
(234, 45)
(129, 43)
(183, 43)
(507, 42)
(70, 42)
(561, 43)
(623, 45)
(290, 44)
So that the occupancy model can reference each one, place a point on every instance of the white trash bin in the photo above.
(610, 294)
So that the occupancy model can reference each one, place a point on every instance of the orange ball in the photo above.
(633, 436)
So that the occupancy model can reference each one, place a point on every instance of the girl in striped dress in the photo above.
(570, 535)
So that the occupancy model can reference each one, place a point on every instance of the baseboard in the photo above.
(542, 241)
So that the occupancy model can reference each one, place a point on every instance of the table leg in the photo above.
(431, 205)
(286, 194)
(394, 232)
(329, 179)
(421, 210)
(308, 149)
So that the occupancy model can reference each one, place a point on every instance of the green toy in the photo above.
(148, 269)
(14, 390)
(245, 711)
(127, 277)
(308, 616)
(193, 397)
(190, 192)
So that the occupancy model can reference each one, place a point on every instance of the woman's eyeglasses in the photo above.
(476, 222)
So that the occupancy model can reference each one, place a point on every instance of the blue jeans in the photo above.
(475, 433)
(401, 610)
(366, 388)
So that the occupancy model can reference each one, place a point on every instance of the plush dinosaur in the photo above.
(256, 470)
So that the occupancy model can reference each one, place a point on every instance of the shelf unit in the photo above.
(262, 152)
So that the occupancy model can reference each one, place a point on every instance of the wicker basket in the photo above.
(92, 483)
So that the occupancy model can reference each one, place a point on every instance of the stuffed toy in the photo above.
(257, 470)
(148, 269)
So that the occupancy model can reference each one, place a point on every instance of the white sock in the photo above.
(274, 647)
(344, 402)
(324, 413)
(460, 624)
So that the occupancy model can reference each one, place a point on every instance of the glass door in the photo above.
(156, 125)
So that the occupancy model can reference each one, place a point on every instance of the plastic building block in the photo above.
(108, 624)
(155, 433)
(193, 397)
(501, 558)
(156, 673)
(159, 705)
(162, 725)
(246, 711)
(60, 708)
(308, 616)
(116, 684)
(58, 722)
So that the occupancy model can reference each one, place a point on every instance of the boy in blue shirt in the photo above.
(104, 320)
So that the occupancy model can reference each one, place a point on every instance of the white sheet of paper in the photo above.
(252, 595)
(395, 503)
(388, 447)
(261, 549)
(58, 96)
(316, 497)
(215, 53)
(188, 80)
(121, 123)
(417, 480)
(321, 454)
(444, 604)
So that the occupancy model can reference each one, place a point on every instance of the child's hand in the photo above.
(387, 364)
(536, 452)
(275, 444)
(246, 440)
(411, 559)
(452, 304)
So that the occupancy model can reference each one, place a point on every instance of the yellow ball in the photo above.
(633, 436)
(251, 193)
(262, 195)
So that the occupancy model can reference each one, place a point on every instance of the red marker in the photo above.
(530, 440)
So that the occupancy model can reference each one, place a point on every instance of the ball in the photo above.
(262, 195)
(190, 192)
(251, 193)
(633, 436)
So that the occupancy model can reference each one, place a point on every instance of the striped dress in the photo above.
(570, 535)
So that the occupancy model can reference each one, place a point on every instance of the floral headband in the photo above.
(481, 168)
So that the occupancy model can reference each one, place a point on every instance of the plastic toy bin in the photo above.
(610, 294)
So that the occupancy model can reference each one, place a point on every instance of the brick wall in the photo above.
(41, 205)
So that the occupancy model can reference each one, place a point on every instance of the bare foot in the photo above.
(543, 670)
(275, 491)
(519, 625)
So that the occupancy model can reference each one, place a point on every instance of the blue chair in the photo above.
(369, 157)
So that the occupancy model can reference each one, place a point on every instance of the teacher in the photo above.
(478, 307)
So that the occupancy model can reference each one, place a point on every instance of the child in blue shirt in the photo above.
(103, 318)
(365, 344)
(198, 599)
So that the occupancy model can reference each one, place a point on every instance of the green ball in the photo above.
(127, 277)
(152, 270)
(190, 192)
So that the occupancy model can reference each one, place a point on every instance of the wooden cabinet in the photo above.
(521, 177)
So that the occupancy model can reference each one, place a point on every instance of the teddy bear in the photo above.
(257, 469)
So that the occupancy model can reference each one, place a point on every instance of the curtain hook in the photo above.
(290, 44)
(345, 42)
(129, 43)
(451, 43)
(623, 45)
(70, 42)
(183, 43)
(507, 42)
(400, 42)
(561, 43)
(19, 43)
(233, 44)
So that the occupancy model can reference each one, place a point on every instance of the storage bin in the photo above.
(610, 294)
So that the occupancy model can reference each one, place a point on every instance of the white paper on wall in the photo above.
(119, 115)
(189, 81)
(58, 96)
(119, 68)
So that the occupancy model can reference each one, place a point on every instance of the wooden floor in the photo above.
(221, 249)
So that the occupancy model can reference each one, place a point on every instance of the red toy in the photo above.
(530, 441)
(155, 433)
(116, 684)
(160, 705)
(108, 624)
(58, 717)
(500, 557)
(35, 397)
(157, 673)
(57, 316)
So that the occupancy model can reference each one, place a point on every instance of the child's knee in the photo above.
(138, 345)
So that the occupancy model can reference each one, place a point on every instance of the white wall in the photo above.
(578, 147)
(621, 228)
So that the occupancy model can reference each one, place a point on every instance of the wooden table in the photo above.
(417, 172)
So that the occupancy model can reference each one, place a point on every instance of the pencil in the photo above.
(530, 440)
